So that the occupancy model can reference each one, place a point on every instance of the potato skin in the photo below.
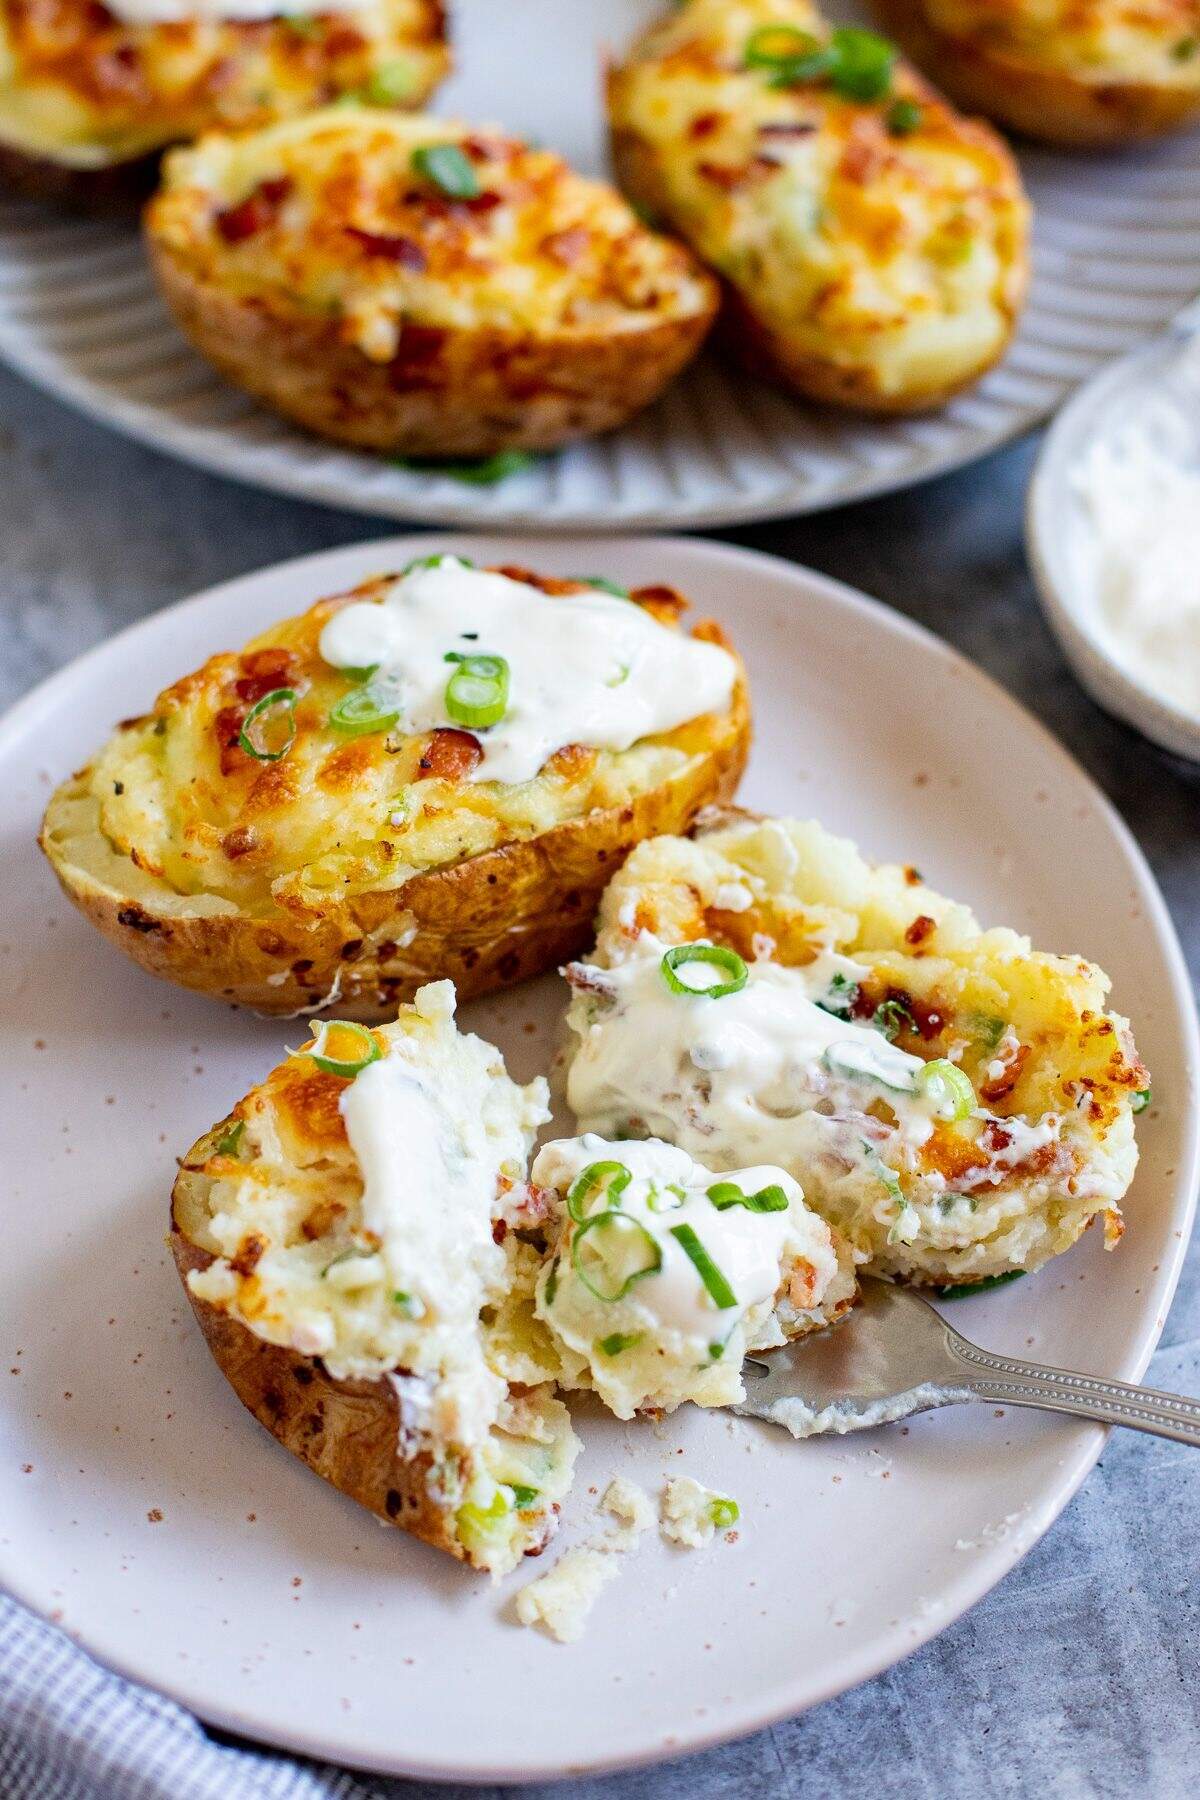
(119, 189)
(683, 98)
(463, 393)
(484, 923)
(1048, 104)
(347, 1432)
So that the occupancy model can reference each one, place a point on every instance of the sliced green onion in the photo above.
(860, 1059)
(344, 1065)
(724, 1511)
(358, 675)
(551, 1283)
(475, 471)
(604, 584)
(445, 167)
(434, 562)
(719, 1290)
(609, 1179)
(477, 692)
(840, 997)
(407, 1304)
(391, 84)
(888, 1176)
(1184, 49)
(767, 1200)
(265, 716)
(863, 63)
(903, 117)
(610, 1251)
(789, 56)
(341, 1257)
(987, 1027)
(1141, 1099)
(657, 1204)
(714, 956)
(479, 1525)
(621, 675)
(362, 711)
(620, 1340)
(227, 1143)
(948, 1086)
(964, 1290)
(523, 1497)
(889, 1016)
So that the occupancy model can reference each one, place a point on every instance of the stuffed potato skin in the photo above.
(870, 258)
(1088, 76)
(316, 266)
(282, 943)
(87, 100)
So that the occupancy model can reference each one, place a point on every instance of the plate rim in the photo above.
(1082, 1447)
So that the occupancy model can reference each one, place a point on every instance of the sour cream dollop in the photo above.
(1140, 487)
(586, 668)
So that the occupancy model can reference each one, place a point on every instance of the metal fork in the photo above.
(896, 1355)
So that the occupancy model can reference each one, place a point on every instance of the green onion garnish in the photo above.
(476, 471)
(719, 1290)
(987, 1027)
(610, 1251)
(789, 56)
(523, 1497)
(303, 24)
(839, 997)
(364, 1040)
(227, 1143)
(406, 1303)
(724, 1511)
(552, 1283)
(948, 1086)
(609, 1179)
(890, 1016)
(725, 1194)
(1141, 1099)
(604, 584)
(364, 710)
(445, 167)
(620, 1340)
(434, 562)
(391, 84)
(889, 1178)
(964, 1290)
(863, 63)
(260, 728)
(714, 956)
(1184, 49)
(477, 692)
(903, 117)
(656, 1201)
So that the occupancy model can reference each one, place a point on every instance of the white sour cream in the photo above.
(1140, 485)
(182, 12)
(585, 669)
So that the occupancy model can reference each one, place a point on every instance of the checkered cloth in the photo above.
(71, 1731)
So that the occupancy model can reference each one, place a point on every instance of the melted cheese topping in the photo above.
(329, 215)
(668, 1338)
(895, 253)
(340, 814)
(795, 1069)
(1094, 40)
(88, 86)
(584, 669)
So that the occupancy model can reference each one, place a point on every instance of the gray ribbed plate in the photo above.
(1117, 252)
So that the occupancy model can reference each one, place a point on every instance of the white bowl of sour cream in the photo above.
(1113, 531)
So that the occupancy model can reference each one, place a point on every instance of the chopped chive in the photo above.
(964, 1289)
(552, 1283)
(839, 997)
(719, 1290)
(617, 1341)
(890, 1016)
(445, 167)
(227, 1143)
(1141, 1099)
(604, 584)
(523, 1497)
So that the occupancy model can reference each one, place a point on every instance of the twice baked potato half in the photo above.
(872, 244)
(957, 1104)
(1080, 74)
(414, 286)
(90, 93)
(343, 1237)
(433, 775)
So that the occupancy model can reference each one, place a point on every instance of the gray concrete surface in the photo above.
(1079, 1675)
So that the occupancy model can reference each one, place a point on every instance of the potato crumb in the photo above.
(631, 1506)
(562, 1600)
(691, 1514)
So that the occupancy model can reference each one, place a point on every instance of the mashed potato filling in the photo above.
(365, 1219)
(661, 1276)
(955, 1103)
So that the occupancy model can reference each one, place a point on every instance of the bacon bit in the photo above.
(729, 179)
(912, 876)
(704, 125)
(571, 761)
(994, 1138)
(262, 672)
(585, 978)
(321, 1220)
(450, 755)
(342, 39)
(665, 603)
(951, 1155)
(255, 212)
(1001, 1085)
(227, 726)
(802, 1284)
(867, 150)
(499, 1231)
(239, 842)
(249, 1254)
(392, 248)
(920, 929)
(548, 584)
(566, 247)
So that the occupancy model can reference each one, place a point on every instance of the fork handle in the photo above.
(1019, 1383)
